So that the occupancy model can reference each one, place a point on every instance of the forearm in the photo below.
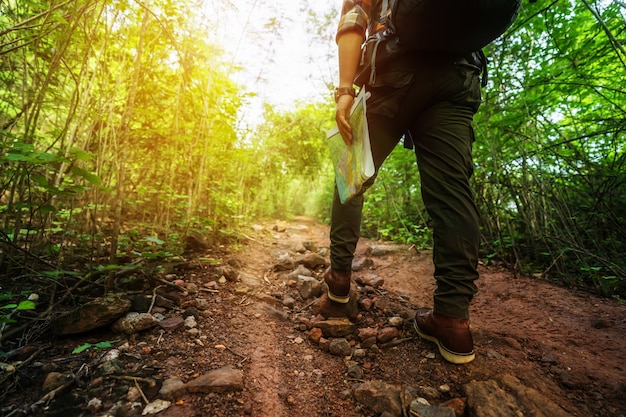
(349, 50)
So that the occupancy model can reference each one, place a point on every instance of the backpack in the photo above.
(459, 26)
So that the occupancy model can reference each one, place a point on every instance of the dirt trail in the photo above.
(566, 345)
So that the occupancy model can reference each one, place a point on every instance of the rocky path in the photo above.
(249, 336)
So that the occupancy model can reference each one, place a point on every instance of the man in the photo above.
(429, 97)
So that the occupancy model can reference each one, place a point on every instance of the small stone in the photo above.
(315, 334)
(387, 334)
(313, 260)
(202, 304)
(336, 327)
(171, 388)
(133, 395)
(289, 302)
(340, 347)
(366, 304)
(53, 380)
(366, 332)
(369, 342)
(172, 323)
(134, 323)
(395, 321)
(359, 264)
(371, 280)
(156, 406)
(94, 405)
(355, 371)
(308, 286)
(457, 405)
(190, 322)
(380, 397)
(220, 380)
(324, 344)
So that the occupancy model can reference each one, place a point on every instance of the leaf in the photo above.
(82, 348)
(153, 239)
(26, 305)
(89, 176)
(9, 306)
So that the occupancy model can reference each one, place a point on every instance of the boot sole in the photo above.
(452, 357)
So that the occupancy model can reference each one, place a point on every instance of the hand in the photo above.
(344, 105)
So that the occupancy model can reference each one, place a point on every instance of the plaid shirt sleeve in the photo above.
(355, 17)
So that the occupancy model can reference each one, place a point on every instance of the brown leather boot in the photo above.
(452, 335)
(338, 285)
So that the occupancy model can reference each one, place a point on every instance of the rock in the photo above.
(431, 410)
(230, 273)
(315, 334)
(369, 342)
(395, 321)
(300, 270)
(191, 288)
(172, 323)
(366, 332)
(54, 380)
(171, 388)
(195, 242)
(382, 250)
(92, 315)
(324, 344)
(250, 280)
(190, 322)
(507, 396)
(359, 264)
(366, 304)
(156, 406)
(457, 405)
(387, 334)
(289, 302)
(328, 309)
(111, 367)
(313, 260)
(429, 393)
(202, 304)
(336, 327)
(94, 405)
(355, 371)
(380, 397)
(134, 323)
(225, 379)
(284, 262)
(310, 246)
(371, 280)
(340, 347)
(308, 286)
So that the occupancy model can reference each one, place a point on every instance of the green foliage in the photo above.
(99, 345)
(118, 136)
(550, 157)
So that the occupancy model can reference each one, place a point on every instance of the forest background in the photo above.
(121, 135)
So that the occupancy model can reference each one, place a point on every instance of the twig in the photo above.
(396, 342)
(141, 392)
(307, 306)
(148, 381)
(154, 297)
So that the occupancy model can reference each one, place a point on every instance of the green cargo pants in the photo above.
(436, 105)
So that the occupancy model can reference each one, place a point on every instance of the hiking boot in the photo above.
(452, 335)
(338, 285)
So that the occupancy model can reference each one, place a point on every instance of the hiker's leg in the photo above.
(345, 225)
(443, 138)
